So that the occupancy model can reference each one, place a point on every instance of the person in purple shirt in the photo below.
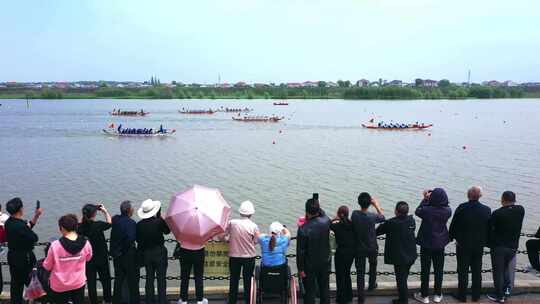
(432, 237)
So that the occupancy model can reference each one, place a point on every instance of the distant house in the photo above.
(492, 83)
(310, 84)
(531, 84)
(374, 84)
(331, 84)
(294, 85)
(429, 83)
(510, 83)
(362, 83)
(240, 84)
(396, 83)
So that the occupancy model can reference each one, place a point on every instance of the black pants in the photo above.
(533, 248)
(155, 264)
(469, 259)
(191, 259)
(343, 261)
(402, 275)
(427, 256)
(317, 275)
(501, 258)
(74, 296)
(20, 266)
(360, 264)
(126, 269)
(93, 268)
(237, 265)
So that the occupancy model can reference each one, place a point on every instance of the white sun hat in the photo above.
(148, 209)
(276, 228)
(246, 208)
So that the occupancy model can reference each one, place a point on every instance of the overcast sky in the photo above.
(269, 40)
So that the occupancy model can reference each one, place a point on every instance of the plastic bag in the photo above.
(34, 289)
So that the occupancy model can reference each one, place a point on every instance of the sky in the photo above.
(269, 40)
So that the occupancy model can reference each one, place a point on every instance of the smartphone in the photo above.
(38, 204)
(316, 196)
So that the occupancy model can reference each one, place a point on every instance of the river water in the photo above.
(55, 151)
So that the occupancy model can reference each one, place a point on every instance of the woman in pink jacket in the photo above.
(66, 260)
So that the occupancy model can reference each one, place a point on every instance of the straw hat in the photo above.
(246, 208)
(148, 209)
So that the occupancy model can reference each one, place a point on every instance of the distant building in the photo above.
(310, 84)
(331, 84)
(260, 85)
(362, 83)
(294, 85)
(510, 83)
(240, 84)
(492, 83)
(531, 84)
(375, 84)
(396, 83)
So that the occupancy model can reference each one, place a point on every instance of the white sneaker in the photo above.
(418, 297)
(437, 298)
(204, 301)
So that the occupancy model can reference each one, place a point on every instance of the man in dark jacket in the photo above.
(504, 232)
(366, 241)
(21, 240)
(432, 238)
(469, 227)
(400, 247)
(533, 247)
(313, 253)
(124, 253)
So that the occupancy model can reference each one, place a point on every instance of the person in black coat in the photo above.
(21, 240)
(366, 242)
(123, 250)
(400, 247)
(533, 247)
(504, 232)
(99, 263)
(344, 257)
(313, 253)
(432, 237)
(469, 227)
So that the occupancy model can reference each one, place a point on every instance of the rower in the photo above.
(119, 129)
(161, 130)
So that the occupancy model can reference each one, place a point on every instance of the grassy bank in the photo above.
(386, 92)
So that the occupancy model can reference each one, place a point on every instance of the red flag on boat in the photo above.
(111, 126)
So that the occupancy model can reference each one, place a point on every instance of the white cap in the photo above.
(276, 228)
(246, 208)
(148, 209)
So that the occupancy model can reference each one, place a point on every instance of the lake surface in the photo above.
(55, 151)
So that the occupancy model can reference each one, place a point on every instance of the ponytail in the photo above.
(88, 212)
(272, 243)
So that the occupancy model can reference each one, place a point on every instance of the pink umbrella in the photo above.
(196, 215)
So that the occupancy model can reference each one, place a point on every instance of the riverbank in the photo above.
(351, 93)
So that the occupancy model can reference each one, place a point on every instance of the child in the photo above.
(400, 247)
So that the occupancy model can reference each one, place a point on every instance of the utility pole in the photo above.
(469, 78)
